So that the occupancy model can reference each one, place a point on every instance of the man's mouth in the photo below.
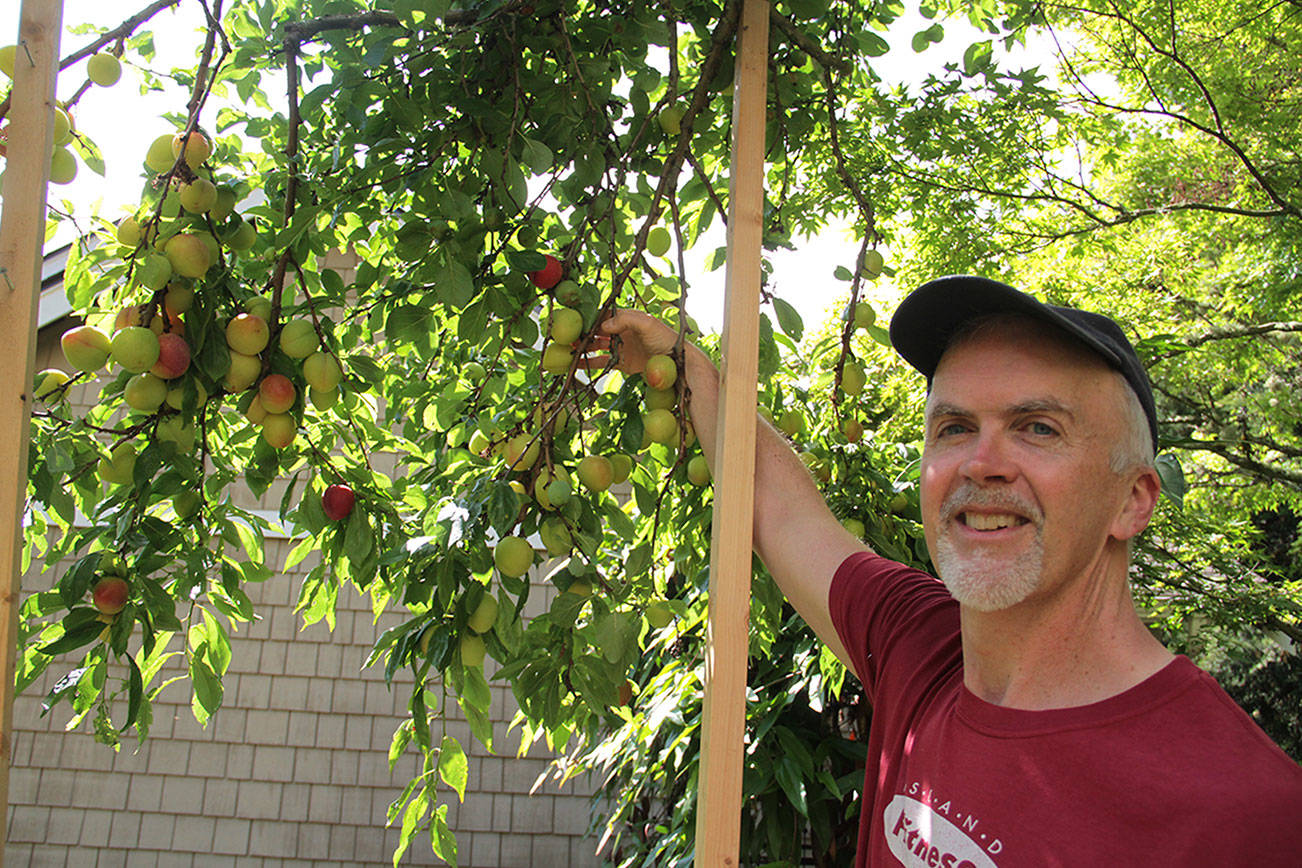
(991, 521)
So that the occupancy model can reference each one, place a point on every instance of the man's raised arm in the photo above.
(795, 534)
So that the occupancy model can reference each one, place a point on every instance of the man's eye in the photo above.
(950, 429)
(1042, 429)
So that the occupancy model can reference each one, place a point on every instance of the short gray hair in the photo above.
(1134, 451)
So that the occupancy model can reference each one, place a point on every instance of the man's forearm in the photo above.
(795, 533)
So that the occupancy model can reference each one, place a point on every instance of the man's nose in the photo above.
(988, 459)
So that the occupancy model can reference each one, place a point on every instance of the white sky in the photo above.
(123, 122)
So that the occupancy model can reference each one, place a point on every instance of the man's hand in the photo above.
(630, 337)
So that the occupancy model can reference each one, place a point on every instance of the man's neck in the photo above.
(1082, 645)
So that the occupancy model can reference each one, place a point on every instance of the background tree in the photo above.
(505, 173)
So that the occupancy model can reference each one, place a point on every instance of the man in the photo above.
(1023, 715)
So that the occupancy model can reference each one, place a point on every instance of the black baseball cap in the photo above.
(928, 318)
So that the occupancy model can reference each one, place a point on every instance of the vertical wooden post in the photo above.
(718, 817)
(22, 235)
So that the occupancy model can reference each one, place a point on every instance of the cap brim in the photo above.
(926, 321)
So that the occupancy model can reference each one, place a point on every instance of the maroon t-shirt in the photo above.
(1170, 772)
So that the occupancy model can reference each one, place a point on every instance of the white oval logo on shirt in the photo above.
(921, 838)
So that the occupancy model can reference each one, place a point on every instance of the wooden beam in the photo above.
(718, 817)
(22, 236)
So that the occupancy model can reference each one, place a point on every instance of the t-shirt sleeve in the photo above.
(886, 613)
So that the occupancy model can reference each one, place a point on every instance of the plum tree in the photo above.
(279, 430)
(661, 372)
(196, 148)
(188, 255)
(118, 466)
(298, 339)
(595, 472)
(145, 392)
(63, 166)
(159, 157)
(658, 241)
(173, 356)
(566, 325)
(853, 378)
(698, 471)
(242, 372)
(198, 196)
(485, 615)
(549, 275)
(661, 426)
(472, 651)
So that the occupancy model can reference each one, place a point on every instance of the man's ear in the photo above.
(1137, 511)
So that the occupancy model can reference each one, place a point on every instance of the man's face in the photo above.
(1018, 498)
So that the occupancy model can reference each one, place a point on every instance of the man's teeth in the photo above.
(979, 521)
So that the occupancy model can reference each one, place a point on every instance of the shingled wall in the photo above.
(293, 770)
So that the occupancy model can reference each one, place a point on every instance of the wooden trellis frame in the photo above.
(718, 804)
(22, 235)
(22, 232)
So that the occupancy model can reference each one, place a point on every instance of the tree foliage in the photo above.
(446, 151)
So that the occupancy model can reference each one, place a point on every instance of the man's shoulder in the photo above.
(1208, 748)
(887, 611)
(866, 567)
(1221, 723)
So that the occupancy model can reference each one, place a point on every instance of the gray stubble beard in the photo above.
(982, 581)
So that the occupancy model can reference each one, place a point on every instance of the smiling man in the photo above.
(1023, 715)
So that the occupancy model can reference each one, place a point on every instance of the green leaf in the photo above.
(788, 319)
(1171, 473)
(207, 689)
(879, 334)
(977, 57)
(419, 717)
(417, 808)
(359, 538)
(597, 681)
(788, 776)
(135, 693)
(536, 155)
(639, 560)
(525, 260)
(443, 842)
(79, 636)
(476, 691)
(401, 738)
(480, 725)
(716, 259)
(408, 323)
(454, 285)
(454, 768)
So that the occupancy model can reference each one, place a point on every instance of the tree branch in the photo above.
(1226, 333)
(122, 31)
(803, 41)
